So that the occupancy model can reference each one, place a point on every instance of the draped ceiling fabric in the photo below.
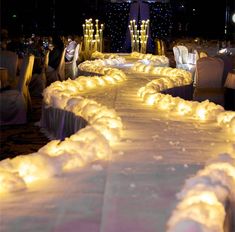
(139, 10)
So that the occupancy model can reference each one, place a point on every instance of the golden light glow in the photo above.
(26, 172)
(151, 99)
(93, 37)
(139, 37)
(73, 162)
(202, 196)
(90, 84)
(184, 108)
(226, 167)
(201, 114)
(10, 181)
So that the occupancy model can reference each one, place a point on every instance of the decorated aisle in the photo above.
(134, 190)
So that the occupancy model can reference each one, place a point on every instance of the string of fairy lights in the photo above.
(160, 20)
(116, 21)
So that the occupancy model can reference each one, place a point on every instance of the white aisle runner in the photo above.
(149, 166)
(132, 192)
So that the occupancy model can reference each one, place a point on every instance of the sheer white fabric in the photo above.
(38, 82)
(59, 123)
(15, 103)
(209, 73)
(59, 73)
(70, 49)
(193, 57)
(71, 68)
(181, 56)
(183, 53)
(178, 58)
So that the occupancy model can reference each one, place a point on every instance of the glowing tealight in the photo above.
(26, 170)
(201, 114)
(150, 100)
(184, 108)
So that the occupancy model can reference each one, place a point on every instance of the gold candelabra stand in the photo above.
(92, 38)
(139, 36)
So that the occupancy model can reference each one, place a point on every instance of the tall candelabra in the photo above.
(92, 37)
(139, 36)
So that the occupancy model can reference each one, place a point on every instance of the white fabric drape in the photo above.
(59, 73)
(59, 123)
(71, 68)
(15, 103)
(38, 82)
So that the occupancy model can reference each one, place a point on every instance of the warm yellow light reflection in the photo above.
(184, 108)
(26, 170)
(201, 114)
(151, 99)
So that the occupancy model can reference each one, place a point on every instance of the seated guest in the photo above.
(55, 54)
(69, 53)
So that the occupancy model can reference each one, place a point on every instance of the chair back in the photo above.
(9, 60)
(44, 68)
(38, 81)
(196, 55)
(160, 47)
(46, 61)
(177, 56)
(183, 53)
(61, 68)
(203, 54)
(76, 53)
(228, 66)
(25, 77)
(75, 60)
(209, 73)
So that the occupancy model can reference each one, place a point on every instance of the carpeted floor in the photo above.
(23, 139)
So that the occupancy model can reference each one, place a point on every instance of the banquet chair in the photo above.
(160, 47)
(203, 54)
(177, 56)
(193, 57)
(38, 81)
(9, 60)
(71, 68)
(15, 103)
(228, 66)
(181, 63)
(183, 53)
(59, 73)
(209, 73)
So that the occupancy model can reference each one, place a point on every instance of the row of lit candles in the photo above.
(93, 38)
(139, 38)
